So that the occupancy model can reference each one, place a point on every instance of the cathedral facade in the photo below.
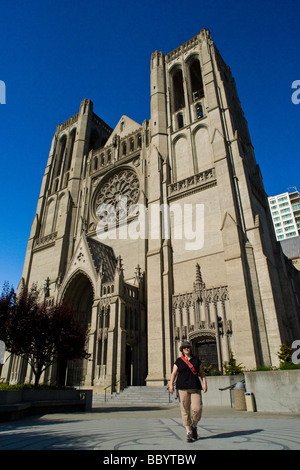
(160, 231)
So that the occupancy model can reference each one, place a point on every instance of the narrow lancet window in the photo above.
(196, 80)
(178, 90)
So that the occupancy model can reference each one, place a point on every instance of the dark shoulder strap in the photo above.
(189, 365)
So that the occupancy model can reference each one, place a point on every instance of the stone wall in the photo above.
(15, 404)
(273, 391)
(217, 397)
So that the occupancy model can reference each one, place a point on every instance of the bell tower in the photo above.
(201, 156)
(58, 222)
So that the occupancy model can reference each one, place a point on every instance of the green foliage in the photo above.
(285, 355)
(7, 301)
(207, 369)
(231, 367)
(285, 358)
(289, 366)
(22, 386)
(263, 368)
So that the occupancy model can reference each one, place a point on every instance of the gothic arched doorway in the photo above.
(205, 347)
(79, 295)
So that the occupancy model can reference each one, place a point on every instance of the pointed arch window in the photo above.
(139, 141)
(178, 91)
(70, 151)
(60, 155)
(196, 81)
(180, 123)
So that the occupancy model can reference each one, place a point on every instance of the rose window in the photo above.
(116, 196)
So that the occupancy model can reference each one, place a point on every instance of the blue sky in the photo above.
(56, 53)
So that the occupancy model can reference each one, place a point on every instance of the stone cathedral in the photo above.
(208, 267)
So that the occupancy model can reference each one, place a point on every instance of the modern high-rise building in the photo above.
(285, 212)
(160, 231)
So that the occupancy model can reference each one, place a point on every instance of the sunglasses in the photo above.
(186, 347)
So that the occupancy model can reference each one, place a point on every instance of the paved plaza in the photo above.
(151, 428)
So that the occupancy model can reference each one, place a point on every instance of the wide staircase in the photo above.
(136, 395)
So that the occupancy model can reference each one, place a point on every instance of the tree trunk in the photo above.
(61, 371)
(37, 376)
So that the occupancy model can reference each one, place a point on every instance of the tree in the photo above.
(231, 367)
(41, 335)
(7, 300)
(285, 358)
(285, 354)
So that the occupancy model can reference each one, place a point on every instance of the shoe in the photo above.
(194, 432)
(189, 436)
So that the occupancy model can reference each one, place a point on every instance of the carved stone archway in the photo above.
(205, 347)
(203, 317)
(79, 295)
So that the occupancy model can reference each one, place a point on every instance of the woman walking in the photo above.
(188, 368)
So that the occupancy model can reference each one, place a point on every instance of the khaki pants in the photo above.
(190, 400)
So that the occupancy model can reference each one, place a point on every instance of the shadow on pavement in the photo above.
(226, 435)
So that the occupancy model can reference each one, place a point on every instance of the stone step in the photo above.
(138, 395)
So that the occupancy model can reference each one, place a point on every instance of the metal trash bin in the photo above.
(239, 396)
(250, 401)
